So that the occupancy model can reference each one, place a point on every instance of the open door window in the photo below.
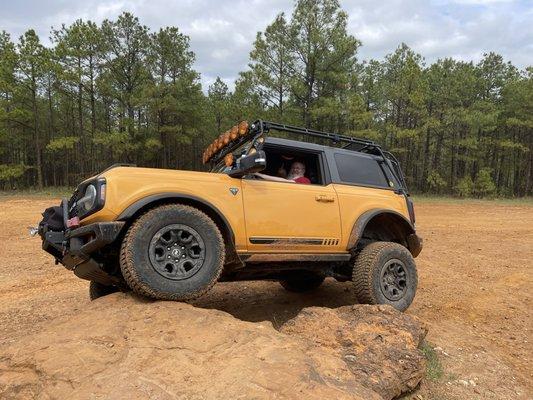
(281, 158)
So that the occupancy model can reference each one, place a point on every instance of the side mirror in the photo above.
(249, 164)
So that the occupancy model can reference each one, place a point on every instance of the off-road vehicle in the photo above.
(170, 234)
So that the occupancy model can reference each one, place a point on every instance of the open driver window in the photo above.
(280, 158)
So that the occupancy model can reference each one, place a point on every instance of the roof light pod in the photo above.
(234, 133)
(226, 138)
(228, 160)
(243, 128)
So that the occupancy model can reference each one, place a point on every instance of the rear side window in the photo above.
(361, 170)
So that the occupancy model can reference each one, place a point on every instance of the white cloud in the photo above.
(222, 32)
(482, 2)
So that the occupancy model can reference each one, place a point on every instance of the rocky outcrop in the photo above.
(123, 347)
(379, 344)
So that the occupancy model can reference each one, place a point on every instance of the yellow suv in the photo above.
(270, 208)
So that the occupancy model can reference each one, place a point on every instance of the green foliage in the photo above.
(434, 369)
(118, 92)
(272, 65)
(435, 182)
(484, 185)
(11, 172)
(465, 187)
(218, 97)
(62, 144)
(152, 144)
(119, 143)
(324, 55)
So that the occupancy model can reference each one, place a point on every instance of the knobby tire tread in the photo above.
(126, 257)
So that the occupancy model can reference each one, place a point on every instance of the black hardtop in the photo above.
(297, 144)
(314, 147)
(348, 142)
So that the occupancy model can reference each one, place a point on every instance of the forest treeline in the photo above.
(119, 92)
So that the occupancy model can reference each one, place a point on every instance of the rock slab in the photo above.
(378, 343)
(123, 347)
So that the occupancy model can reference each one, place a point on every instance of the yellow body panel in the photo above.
(356, 200)
(288, 210)
(126, 185)
(266, 217)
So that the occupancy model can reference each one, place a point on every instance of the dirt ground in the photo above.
(475, 280)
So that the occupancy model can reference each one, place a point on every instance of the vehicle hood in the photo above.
(128, 173)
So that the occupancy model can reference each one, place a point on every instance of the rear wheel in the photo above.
(97, 290)
(303, 283)
(172, 252)
(385, 273)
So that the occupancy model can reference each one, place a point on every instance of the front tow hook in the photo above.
(33, 230)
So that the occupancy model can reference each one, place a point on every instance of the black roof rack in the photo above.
(265, 126)
(260, 127)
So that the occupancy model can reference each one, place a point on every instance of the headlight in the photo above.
(89, 198)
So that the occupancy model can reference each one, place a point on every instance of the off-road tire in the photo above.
(97, 290)
(305, 283)
(368, 269)
(137, 268)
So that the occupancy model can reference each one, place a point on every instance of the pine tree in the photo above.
(32, 67)
(218, 97)
(272, 66)
(324, 55)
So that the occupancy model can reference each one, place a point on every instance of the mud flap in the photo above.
(414, 243)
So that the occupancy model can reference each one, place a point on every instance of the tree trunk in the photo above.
(80, 116)
(36, 134)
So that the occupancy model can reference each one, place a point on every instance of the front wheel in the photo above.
(172, 252)
(385, 273)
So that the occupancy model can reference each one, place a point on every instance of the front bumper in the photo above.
(74, 248)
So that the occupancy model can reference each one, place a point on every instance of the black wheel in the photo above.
(304, 283)
(172, 252)
(385, 273)
(97, 290)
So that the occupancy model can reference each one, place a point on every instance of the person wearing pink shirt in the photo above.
(296, 175)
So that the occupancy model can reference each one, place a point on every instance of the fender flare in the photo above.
(363, 220)
(132, 209)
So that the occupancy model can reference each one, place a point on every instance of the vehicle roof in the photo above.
(311, 146)
(295, 143)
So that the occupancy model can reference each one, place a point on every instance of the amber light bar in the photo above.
(225, 139)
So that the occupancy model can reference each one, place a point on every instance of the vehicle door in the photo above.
(291, 217)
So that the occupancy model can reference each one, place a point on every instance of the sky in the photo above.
(222, 31)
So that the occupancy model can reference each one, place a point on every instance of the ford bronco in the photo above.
(170, 234)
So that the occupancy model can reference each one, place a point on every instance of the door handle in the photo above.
(324, 199)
